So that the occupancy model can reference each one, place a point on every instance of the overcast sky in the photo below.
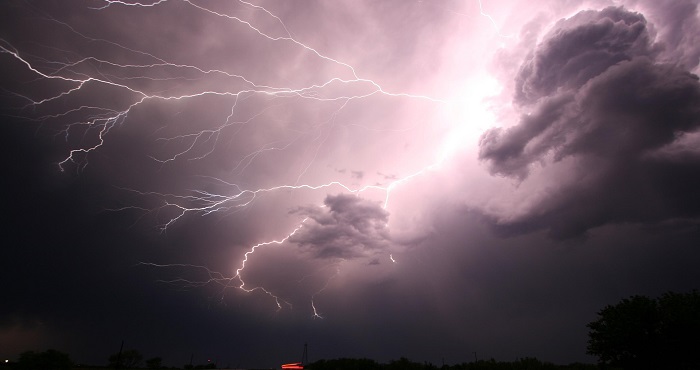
(229, 180)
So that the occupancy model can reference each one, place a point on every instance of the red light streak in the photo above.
(293, 366)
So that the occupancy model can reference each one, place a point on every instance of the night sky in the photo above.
(228, 180)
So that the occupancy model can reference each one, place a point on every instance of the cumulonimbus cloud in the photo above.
(346, 227)
(603, 99)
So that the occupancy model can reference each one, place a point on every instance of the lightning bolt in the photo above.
(96, 122)
(316, 313)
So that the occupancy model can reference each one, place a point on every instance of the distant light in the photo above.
(293, 366)
(6, 361)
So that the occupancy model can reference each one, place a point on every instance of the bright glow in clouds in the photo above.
(321, 112)
(366, 176)
(471, 114)
(319, 135)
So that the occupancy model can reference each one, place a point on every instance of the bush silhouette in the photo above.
(128, 359)
(645, 333)
(48, 360)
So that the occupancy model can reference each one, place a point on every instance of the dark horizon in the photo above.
(323, 363)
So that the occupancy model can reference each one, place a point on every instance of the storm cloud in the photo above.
(347, 227)
(602, 104)
(379, 179)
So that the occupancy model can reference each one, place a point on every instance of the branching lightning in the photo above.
(96, 122)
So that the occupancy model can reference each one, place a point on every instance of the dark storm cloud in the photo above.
(348, 227)
(604, 106)
(680, 34)
(581, 48)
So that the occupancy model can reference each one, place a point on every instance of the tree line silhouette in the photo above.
(636, 333)
(527, 363)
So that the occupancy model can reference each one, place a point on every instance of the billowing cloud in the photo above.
(600, 102)
(580, 48)
(347, 227)
(678, 30)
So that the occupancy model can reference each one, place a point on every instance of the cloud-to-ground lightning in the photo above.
(147, 80)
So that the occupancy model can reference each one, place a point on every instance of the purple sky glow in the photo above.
(380, 179)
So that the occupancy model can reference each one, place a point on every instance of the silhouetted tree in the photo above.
(154, 363)
(644, 333)
(404, 364)
(128, 359)
(48, 360)
(526, 363)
